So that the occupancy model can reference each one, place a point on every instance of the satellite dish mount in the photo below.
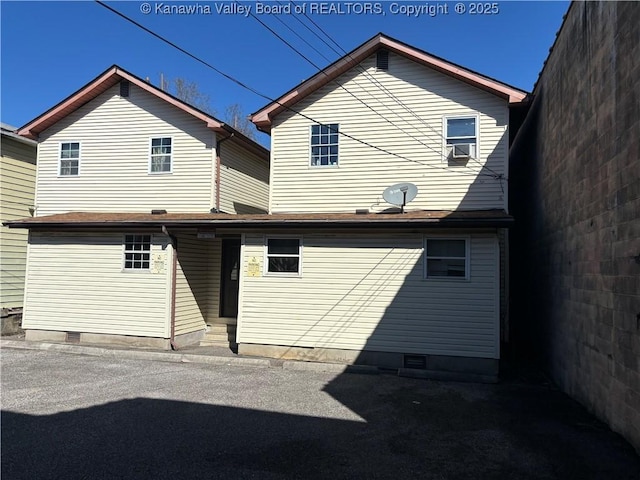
(400, 194)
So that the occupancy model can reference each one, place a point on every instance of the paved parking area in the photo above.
(75, 417)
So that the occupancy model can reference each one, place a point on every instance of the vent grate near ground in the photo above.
(73, 337)
(415, 361)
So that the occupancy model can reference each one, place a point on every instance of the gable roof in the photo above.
(263, 117)
(108, 79)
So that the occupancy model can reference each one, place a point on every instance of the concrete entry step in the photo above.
(219, 335)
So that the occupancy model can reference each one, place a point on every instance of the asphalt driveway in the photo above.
(74, 417)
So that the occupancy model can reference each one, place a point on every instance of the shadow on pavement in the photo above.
(409, 429)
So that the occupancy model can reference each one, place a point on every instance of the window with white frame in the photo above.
(160, 155)
(461, 136)
(137, 252)
(324, 145)
(69, 159)
(446, 257)
(283, 256)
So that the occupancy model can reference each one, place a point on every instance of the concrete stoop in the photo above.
(219, 335)
(11, 321)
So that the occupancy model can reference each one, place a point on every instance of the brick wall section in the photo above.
(575, 185)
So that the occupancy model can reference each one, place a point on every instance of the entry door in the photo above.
(230, 277)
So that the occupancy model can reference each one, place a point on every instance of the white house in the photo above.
(415, 289)
(332, 272)
(121, 145)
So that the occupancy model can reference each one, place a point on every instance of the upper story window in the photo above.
(69, 159)
(137, 252)
(462, 136)
(283, 256)
(160, 155)
(324, 145)
(446, 257)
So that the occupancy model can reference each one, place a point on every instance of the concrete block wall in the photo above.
(575, 183)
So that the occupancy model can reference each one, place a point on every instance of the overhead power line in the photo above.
(375, 111)
(382, 87)
(267, 97)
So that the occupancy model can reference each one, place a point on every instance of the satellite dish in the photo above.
(400, 194)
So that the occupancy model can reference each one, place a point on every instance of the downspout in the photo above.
(174, 276)
(218, 162)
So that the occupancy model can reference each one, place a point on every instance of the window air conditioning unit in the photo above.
(461, 150)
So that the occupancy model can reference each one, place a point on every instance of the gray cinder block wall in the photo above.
(575, 194)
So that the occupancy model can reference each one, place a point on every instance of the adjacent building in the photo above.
(576, 196)
(17, 186)
(121, 145)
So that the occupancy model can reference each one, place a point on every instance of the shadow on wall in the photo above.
(529, 285)
(243, 208)
(379, 301)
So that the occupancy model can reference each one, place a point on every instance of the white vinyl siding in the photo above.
(365, 172)
(244, 180)
(192, 284)
(17, 185)
(76, 283)
(369, 292)
(115, 135)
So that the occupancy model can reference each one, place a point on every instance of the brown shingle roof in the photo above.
(422, 218)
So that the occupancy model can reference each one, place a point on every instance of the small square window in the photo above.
(161, 153)
(69, 159)
(137, 252)
(283, 256)
(446, 257)
(324, 145)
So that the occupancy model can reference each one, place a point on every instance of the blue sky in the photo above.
(50, 49)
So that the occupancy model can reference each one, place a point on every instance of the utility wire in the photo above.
(277, 17)
(375, 111)
(382, 87)
(266, 97)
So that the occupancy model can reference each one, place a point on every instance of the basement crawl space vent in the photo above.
(382, 60)
(124, 88)
(73, 337)
(415, 361)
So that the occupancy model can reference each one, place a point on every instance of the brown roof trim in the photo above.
(415, 219)
(263, 117)
(108, 79)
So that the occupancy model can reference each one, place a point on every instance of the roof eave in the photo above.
(19, 138)
(502, 222)
(100, 84)
(263, 117)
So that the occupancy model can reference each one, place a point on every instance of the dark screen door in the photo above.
(230, 278)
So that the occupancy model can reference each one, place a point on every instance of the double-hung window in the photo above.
(160, 161)
(69, 159)
(324, 145)
(462, 136)
(446, 258)
(137, 252)
(283, 256)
